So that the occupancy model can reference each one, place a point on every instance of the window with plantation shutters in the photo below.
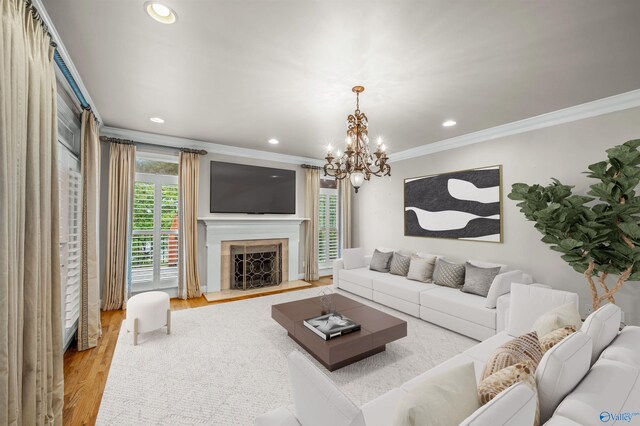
(154, 243)
(328, 233)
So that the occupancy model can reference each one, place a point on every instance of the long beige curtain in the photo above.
(89, 321)
(188, 178)
(311, 211)
(122, 159)
(31, 371)
(345, 188)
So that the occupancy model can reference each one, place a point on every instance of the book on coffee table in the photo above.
(330, 326)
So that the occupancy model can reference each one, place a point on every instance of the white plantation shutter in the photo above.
(328, 235)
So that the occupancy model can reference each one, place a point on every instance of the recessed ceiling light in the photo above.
(449, 123)
(157, 120)
(160, 12)
(274, 141)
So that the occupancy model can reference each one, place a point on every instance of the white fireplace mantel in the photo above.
(220, 229)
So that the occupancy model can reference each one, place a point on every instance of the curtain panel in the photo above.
(188, 178)
(122, 160)
(345, 189)
(89, 321)
(312, 210)
(31, 370)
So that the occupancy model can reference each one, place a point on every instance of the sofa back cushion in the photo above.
(448, 274)
(514, 406)
(317, 400)
(381, 261)
(560, 370)
(602, 326)
(353, 258)
(529, 302)
(444, 399)
(400, 264)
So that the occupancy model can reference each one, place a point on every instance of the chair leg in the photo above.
(135, 331)
(168, 321)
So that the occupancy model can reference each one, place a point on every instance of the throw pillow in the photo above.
(501, 380)
(525, 348)
(448, 274)
(549, 340)
(400, 264)
(557, 318)
(421, 269)
(380, 261)
(444, 399)
(353, 258)
(478, 280)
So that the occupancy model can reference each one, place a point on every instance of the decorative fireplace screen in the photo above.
(256, 266)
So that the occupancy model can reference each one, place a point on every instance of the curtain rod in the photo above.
(309, 166)
(130, 142)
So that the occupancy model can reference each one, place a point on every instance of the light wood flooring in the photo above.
(85, 373)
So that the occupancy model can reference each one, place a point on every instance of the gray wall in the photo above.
(562, 151)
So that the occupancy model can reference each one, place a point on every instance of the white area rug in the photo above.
(225, 364)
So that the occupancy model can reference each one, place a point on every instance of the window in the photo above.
(154, 245)
(328, 234)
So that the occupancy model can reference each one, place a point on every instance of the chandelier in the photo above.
(357, 163)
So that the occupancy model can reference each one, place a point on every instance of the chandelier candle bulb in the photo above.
(358, 163)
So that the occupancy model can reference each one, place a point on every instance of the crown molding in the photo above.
(210, 147)
(579, 112)
(62, 50)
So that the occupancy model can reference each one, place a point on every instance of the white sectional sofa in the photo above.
(469, 314)
(593, 372)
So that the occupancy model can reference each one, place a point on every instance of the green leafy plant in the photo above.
(598, 233)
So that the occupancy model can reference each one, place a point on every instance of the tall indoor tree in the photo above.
(597, 233)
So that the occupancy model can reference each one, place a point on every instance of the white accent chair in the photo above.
(147, 312)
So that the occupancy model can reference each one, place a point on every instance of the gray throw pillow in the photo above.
(478, 280)
(400, 264)
(380, 261)
(448, 274)
(421, 269)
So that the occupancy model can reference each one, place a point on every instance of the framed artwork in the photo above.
(463, 205)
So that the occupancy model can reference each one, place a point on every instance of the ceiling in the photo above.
(239, 72)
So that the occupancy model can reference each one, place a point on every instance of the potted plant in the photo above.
(598, 233)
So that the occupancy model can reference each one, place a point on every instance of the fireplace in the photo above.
(255, 266)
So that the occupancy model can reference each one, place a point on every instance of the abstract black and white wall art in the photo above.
(462, 205)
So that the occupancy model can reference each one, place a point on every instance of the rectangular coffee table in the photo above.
(377, 329)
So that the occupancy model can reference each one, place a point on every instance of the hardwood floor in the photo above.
(85, 373)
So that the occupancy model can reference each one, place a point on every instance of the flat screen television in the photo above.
(238, 188)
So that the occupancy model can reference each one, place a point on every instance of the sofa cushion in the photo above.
(402, 288)
(502, 285)
(456, 361)
(353, 258)
(400, 264)
(625, 347)
(525, 348)
(380, 261)
(556, 318)
(381, 411)
(602, 325)
(361, 276)
(609, 389)
(529, 302)
(478, 280)
(481, 264)
(485, 349)
(444, 399)
(560, 370)
(448, 274)
(496, 383)
(467, 306)
(421, 269)
(515, 406)
(549, 340)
